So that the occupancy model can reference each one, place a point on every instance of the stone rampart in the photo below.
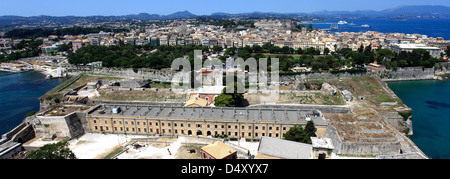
(155, 75)
(294, 77)
(369, 148)
(408, 73)
(382, 146)
(62, 126)
(321, 108)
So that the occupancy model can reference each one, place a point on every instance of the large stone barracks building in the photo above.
(200, 121)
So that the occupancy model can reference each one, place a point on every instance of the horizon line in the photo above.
(227, 13)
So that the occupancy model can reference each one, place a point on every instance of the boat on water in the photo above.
(366, 25)
(342, 22)
(352, 23)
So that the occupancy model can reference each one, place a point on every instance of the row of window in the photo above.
(277, 128)
(182, 132)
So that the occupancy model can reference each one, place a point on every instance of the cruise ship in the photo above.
(342, 22)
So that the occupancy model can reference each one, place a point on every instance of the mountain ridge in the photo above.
(428, 11)
(410, 10)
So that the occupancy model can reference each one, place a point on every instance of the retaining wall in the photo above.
(408, 73)
(63, 126)
(321, 108)
(362, 148)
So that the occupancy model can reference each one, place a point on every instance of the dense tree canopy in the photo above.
(229, 99)
(41, 32)
(298, 134)
(59, 150)
(388, 58)
(133, 56)
(138, 56)
(24, 49)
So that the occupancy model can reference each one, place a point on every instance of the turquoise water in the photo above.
(429, 27)
(430, 101)
(19, 95)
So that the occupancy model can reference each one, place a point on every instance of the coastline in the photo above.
(44, 72)
(428, 100)
(440, 76)
(446, 73)
(14, 71)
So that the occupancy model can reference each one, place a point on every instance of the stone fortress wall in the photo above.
(407, 73)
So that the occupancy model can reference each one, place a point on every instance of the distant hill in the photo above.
(180, 15)
(143, 16)
(418, 11)
(422, 10)
(11, 22)
(146, 16)
(409, 11)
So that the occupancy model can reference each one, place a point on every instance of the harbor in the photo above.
(408, 26)
(49, 66)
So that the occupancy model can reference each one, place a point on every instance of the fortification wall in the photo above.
(385, 146)
(63, 126)
(335, 139)
(155, 75)
(136, 103)
(395, 120)
(408, 73)
(369, 148)
(323, 109)
(442, 68)
(294, 77)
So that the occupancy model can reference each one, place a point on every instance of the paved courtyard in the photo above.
(97, 146)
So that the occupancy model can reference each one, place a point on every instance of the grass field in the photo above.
(146, 96)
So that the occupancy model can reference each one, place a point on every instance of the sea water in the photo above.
(430, 102)
(19, 93)
(429, 27)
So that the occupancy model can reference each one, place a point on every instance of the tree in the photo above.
(257, 49)
(217, 48)
(285, 62)
(361, 49)
(229, 99)
(224, 100)
(300, 51)
(447, 52)
(310, 129)
(231, 51)
(326, 51)
(244, 53)
(359, 58)
(274, 49)
(286, 50)
(297, 134)
(384, 55)
(310, 27)
(267, 46)
(368, 50)
(59, 150)
(312, 51)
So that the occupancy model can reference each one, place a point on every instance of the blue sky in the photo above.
(198, 7)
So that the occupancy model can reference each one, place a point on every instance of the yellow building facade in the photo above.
(193, 124)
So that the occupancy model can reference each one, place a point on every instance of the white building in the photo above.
(408, 47)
